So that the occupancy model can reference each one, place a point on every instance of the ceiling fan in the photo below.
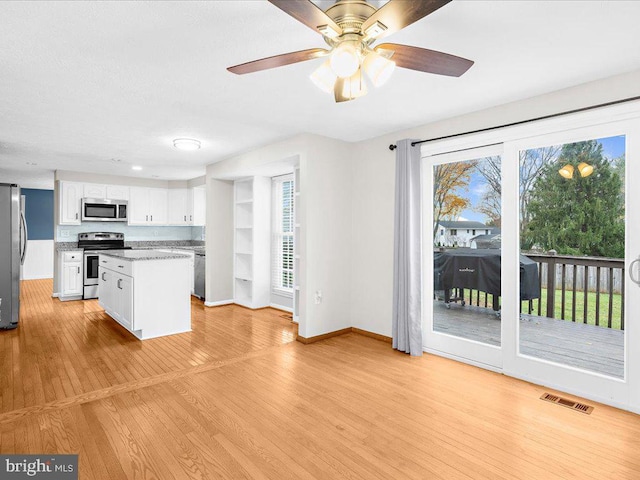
(350, 28)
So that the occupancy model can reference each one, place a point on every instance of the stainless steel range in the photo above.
(93, 243)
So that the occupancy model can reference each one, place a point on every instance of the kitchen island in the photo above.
(146, 291)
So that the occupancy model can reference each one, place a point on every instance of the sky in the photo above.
(613, 147)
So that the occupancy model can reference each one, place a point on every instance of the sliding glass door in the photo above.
(462, 238)
(532, 254)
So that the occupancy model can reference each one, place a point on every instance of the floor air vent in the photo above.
(565, 402)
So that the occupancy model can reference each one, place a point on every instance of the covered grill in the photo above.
(479, 269)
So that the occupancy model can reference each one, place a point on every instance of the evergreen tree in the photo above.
(578, 216)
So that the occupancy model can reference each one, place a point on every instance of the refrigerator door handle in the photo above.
(24, 236)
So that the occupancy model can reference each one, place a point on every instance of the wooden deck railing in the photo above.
(600, 281)
(578, 289)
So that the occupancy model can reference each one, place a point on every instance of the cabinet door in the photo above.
(72, 278)
(117, 192)
(93, 190)
(70, 195)
(158, 198)
(138, 211)
(124, 289)
(199, 206)
(106, 293)
(177, 206)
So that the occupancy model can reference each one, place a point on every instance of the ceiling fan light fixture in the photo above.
(566, 171)
(352, 87)
(378, 68)
(324, 77)
(345, 60)
(585, 169)
(186, 144)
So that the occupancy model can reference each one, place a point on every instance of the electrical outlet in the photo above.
(64, 233)
(318, 297)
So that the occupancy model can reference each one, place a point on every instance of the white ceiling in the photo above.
(83, 83)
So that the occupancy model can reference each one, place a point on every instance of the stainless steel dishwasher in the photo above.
(198, 272)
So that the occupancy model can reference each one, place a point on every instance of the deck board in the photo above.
(589, 347)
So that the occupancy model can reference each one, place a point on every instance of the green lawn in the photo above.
(591, 306)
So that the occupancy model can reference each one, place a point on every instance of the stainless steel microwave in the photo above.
(104, 210)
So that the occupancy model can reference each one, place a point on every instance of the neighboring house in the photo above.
(459, 233)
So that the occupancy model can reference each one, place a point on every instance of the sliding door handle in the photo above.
(631, 267)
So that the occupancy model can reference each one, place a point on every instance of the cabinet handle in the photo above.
(151, 217)
(103, 279)
(119, 280)
(78, 270)
(146, 218)
(191, 218)
(185, 218)
(104, 261)
(120, 266)
(76, 215)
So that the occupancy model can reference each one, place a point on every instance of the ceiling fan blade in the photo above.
(278, 61)
(424, 60)
(308, 13)
(397, 14)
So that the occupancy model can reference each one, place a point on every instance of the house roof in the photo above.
(461, 224)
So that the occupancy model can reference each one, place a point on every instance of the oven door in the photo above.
(91, 268)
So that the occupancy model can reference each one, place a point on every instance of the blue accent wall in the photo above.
(38, 212)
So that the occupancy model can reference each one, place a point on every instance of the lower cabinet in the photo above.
(116, 296)
(71, 268)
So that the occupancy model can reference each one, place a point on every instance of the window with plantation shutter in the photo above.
(282, 236)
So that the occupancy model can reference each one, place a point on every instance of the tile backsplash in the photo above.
(69, 233)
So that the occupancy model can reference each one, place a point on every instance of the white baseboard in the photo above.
(37, 277)
(281, 307)
(218, 304)
(55, 295)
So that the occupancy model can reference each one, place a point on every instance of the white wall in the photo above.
(219, 244)
(324, 207)
(373, 188)
(38, 262)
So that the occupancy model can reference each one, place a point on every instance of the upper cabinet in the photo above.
(111, 192)
(180, 213)
(69, 202)
(148, 206)
(199, 206)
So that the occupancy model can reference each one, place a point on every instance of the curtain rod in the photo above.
(521, 122)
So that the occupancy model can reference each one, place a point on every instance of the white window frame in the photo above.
(278, 235)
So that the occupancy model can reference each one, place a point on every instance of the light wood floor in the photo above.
(238, 398)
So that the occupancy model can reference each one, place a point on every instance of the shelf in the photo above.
(244, 202)
(297, 257)
(297, 194)
(242, 279)
(244, 228)
(244, 253)
(297, 287)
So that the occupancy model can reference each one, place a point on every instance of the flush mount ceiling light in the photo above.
(186, 144)
(136, 167)
(350, 27)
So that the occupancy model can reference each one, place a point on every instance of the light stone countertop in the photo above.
(137, 255)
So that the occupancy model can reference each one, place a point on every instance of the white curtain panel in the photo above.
(407, 254)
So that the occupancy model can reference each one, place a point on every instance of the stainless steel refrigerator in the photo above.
(13, 247)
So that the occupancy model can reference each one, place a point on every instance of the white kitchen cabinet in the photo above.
(179, 212)
(94, 190)
(117, 192)
(148, 206)
(70, 195)
(72, 279)
(149, 297)
(199, 206)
